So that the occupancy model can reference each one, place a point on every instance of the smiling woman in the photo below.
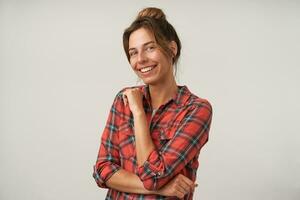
(154, 132)
(147, 58)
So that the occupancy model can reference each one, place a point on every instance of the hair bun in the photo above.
(152, 12)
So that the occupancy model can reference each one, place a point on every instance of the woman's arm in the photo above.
(125, 181)
(108, 173)
(188, 138)
(158, 167)
(108, 159)
(143, 141)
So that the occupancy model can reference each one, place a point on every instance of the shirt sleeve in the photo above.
(108, 161)
(189, 137)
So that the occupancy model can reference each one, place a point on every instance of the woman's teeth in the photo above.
(146, 69)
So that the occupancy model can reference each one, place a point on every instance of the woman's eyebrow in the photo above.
(145, 44)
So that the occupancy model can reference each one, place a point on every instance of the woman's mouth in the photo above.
(147, 69)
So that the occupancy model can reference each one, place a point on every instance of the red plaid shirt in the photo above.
(178, 129)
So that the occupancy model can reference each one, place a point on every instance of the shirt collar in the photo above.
(180, 98)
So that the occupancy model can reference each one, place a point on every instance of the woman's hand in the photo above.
(134, 98)
(179, 186)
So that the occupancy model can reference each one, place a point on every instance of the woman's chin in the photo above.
(149, 81)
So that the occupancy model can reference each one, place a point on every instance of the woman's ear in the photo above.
(173, 47)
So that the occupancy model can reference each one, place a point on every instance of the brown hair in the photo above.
(155, 21)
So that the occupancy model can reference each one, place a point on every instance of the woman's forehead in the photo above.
(140, 37)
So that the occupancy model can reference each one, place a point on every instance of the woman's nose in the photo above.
(141, 57)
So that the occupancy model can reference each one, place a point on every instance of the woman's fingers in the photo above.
(185, 184)
(134, 98)
(185, 187)
(128, 93)
(125, 100)
(181, 189)
(189, 183)
(179, 186)
(179, 194)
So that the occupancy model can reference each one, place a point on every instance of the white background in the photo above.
(62, 63)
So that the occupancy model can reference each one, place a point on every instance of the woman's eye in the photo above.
(132, 53)
(150, 48)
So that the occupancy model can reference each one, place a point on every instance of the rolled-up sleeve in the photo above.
(108, 161)
(189, 137)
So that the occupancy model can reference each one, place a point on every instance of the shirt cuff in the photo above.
(102, 176)
(151, 170)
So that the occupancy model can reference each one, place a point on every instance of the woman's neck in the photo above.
(162, 93)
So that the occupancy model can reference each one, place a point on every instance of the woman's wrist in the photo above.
(138, 113)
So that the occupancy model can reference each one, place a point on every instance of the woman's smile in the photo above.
(147, 69)
(147, 59)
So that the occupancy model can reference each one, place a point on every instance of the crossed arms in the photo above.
(158, 170)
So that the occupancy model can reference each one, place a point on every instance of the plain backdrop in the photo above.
(62, 63)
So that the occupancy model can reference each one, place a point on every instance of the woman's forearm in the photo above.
(143, 140)
(125, 181)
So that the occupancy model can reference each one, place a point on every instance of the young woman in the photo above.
(154, 132)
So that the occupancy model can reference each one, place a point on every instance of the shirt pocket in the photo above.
(169, 132)
(162, 136)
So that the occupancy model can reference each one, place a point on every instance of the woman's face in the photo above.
(147, 58)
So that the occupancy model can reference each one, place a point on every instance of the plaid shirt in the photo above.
(178, 129)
